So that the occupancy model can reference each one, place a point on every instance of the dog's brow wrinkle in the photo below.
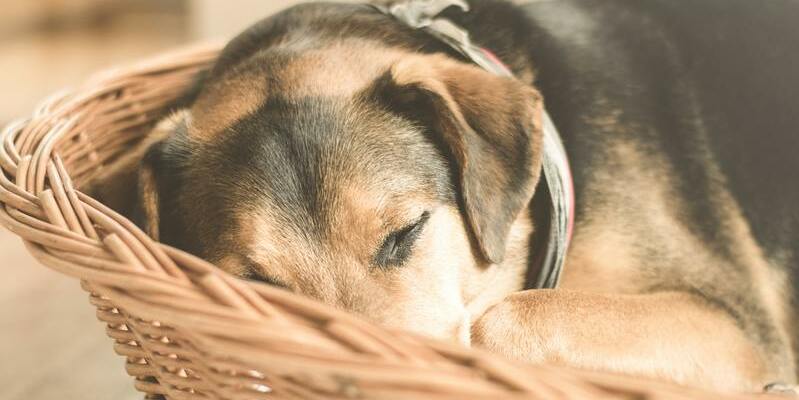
(268, 281)
(254, 273)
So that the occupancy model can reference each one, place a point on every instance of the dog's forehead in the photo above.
(307, 149)
(342, 70)
(304, 154)
(303, 173)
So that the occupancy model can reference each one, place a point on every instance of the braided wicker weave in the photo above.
(190, 331)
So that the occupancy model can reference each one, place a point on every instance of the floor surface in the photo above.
(51, 344)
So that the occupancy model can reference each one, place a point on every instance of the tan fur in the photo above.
(601, 255)
(463, 88)
(488, 284)
(771, 282)
(468, 117)
(446, 283)
(341, 70)
(442, 287)
(149, 200)
(683, 340)
(346, 280)
(236, 95)
(436, 293)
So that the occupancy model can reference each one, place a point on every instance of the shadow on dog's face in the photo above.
(385, 185)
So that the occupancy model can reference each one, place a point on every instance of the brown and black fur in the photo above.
(679, 123)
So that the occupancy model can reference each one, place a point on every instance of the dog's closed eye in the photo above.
(398, 246)
(252, 273)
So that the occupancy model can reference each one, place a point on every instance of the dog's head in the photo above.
(383, 182)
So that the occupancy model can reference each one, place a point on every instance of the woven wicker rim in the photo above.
(190, 331)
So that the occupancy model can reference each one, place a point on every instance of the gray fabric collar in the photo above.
(423, 14)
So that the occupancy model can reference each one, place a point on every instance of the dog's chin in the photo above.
(463, 332)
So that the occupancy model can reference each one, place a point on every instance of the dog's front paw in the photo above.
(484, 329)
(501, 330)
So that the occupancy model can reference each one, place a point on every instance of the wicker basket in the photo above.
(190, 331)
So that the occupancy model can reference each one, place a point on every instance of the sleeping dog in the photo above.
(338, 153)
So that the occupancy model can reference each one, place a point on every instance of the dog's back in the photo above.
(712, 88)
(741, 59)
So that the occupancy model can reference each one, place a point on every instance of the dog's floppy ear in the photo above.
(490, 125)
(148, 211)
(153, 171)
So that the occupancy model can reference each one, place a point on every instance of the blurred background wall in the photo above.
(49, 44)
(215, 18)
(52, 346)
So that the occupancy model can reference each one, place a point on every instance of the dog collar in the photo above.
(423, 14)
